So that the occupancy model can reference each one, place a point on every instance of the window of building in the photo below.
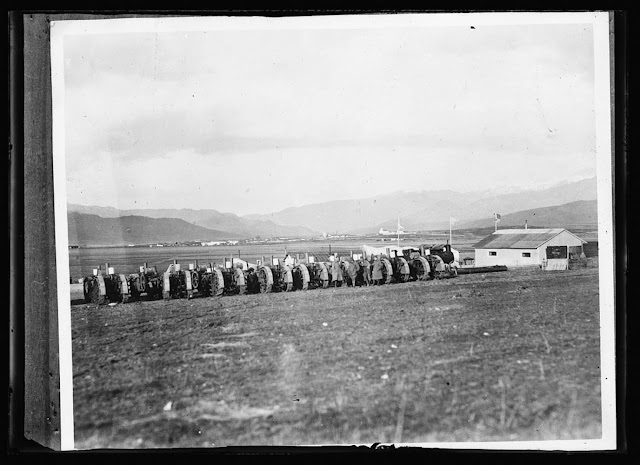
(493, 254)
(526, 254)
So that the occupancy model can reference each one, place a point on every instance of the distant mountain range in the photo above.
(580, 214)
(564, 205)
(425, 210)
(85, 229)
(232, 225)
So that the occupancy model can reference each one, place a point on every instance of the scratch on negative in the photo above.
(41, 283)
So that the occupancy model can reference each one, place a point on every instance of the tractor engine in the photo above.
(445, 252)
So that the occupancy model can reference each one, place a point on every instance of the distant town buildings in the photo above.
(213, 243)
(396, 233)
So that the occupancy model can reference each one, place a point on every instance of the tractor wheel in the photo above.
(304, 275)
(265, 278)
(423, 268)
(389, 270)
(217, 283)
(166, 287)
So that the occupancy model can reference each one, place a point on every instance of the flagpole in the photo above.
(449, 230)
(398, 231)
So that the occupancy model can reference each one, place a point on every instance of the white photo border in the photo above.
(605, 169)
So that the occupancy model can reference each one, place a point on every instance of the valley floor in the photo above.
(511, 356)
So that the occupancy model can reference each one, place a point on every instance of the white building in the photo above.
(524, 247)
(384, 232)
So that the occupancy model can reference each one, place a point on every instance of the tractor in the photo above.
(101, 288)
(234, 278)
(440, 269)
(357, 270)
(210, 279)
(430, 263)
(178, 283)
(440, 262)
(401, 271)
(146, 281)
(444, 251)
(354, 270)
(275, 277)
(318, 273)
(419, 268)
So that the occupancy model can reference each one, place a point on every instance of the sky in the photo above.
(255, 120)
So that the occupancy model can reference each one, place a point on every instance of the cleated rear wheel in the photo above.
(265, 278)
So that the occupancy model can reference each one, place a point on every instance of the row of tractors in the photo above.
(234, 277)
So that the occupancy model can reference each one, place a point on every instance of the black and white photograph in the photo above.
(355, 229)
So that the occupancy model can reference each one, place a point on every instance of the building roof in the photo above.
(520, 238)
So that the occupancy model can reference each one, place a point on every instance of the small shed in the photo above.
(525, 247)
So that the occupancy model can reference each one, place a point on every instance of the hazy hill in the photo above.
(207, 218)
(94, 230)
(583, 213)
(425, 210)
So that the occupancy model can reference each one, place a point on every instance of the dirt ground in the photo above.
(499, 356)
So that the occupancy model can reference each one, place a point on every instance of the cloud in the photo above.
(510, 97)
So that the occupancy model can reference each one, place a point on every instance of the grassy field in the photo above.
(501, 356)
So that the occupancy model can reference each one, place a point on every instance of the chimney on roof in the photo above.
(525, 224)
